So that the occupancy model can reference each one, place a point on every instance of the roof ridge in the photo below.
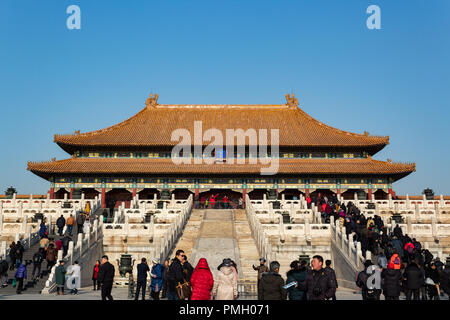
(359, 135)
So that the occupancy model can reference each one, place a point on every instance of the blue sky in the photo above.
(394, 81)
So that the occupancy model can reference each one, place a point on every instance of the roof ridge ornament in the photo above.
(292, 102)
(152, 101)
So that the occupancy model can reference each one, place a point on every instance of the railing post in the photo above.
(80, 242)
(350, 244)
(70, 251)
(343, 236)
(29, 236)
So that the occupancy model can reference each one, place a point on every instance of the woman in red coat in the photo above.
(202, 281)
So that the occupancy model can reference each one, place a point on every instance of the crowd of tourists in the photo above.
(405, 267)
(47, 252)
(178, 280)
(218, 201)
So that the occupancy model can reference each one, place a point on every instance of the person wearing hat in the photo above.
(225, 285)
(156, 283)
(261, 269)
(60, 277)
(142, 269)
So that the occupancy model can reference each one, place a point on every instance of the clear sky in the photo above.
(394, 81)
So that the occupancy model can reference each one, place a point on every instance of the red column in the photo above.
(244, 192)
(103, 198)
(71, 193)
(390, 192)
(338, 191)
(52, 193)
(306, 192)
(370, 194)
(134, 193)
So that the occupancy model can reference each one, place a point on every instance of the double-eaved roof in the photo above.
(153, 127)
(154, 124)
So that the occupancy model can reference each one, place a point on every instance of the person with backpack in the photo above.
(60, 223)
(398, 246)
(80, 222)
(396, 261)
(417, 244)
(38, 258)
(20, 274)
(44, 242)
(391, 282)
(368, 293)
(409, 251)
(298, 274)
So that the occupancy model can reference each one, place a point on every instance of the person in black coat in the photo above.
(391, 280)
(445, 280)
(318, 284)
(187, 269)
(65, 244)
(12, 255)
(60, 223)
(271, 284)
(3, 273)
(332, 274)
(142, 270)
(164, 279)
(106, 278)
(175, 275)
(432, 273)
(414, 280)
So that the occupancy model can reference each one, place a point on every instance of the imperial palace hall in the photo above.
(133, 157)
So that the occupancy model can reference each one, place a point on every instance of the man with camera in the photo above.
(319, 285)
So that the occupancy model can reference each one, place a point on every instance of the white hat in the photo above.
(155, 260)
